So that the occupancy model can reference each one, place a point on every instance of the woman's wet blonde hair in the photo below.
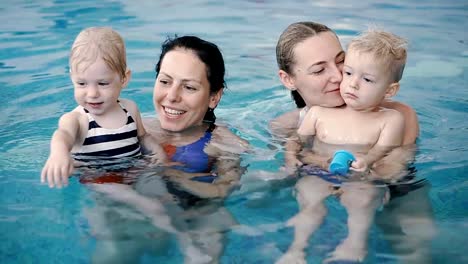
(103, 42)
(291, 36)
(288, 40)
(387, 48)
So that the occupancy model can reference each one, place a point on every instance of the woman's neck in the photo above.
(187, 135)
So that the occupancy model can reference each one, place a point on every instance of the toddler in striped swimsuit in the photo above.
(103, 126)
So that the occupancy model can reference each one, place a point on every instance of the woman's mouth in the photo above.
(334, 90)
(173, 112)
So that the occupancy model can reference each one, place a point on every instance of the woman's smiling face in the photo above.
(181, 93)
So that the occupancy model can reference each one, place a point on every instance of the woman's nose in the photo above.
(336, 75)
(173, 93)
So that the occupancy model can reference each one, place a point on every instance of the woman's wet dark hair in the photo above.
(300, 103)
(209, 54)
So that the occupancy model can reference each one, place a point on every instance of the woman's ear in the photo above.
(287, 80)
(128, 76)
(392, 89)
(214, 98)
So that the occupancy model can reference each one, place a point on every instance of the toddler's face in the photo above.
(365, 81)
(97, 87)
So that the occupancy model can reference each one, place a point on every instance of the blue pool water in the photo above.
(42, 225)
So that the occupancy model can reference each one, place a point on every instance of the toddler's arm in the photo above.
(148, 142)
(59, 165)
(391, 137)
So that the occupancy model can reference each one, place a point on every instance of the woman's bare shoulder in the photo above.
(225, 139)
(151, 125)
(285, 123)
(411, 120)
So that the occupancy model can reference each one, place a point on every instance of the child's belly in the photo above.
(327, 149)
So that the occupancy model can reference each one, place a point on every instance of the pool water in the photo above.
(42, 225)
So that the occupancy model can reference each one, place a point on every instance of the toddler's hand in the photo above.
(57, 170)
(359, 165)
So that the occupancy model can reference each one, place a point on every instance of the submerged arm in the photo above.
(59, 165)
(227, 148)
(285, 125)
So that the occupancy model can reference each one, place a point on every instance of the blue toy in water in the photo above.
(341, 162)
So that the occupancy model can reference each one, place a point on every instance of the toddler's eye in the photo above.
(103, 83)
(368, 80)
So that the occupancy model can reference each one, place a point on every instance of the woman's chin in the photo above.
(335, 102)
(172, 128)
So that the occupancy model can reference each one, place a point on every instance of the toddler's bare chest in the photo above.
(352, 131)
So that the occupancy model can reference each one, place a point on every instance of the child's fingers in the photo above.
(299, 163)
(64, 176)
(57, 179)
(69, 172)
(358, 166)
(50, 177)
(44, 174)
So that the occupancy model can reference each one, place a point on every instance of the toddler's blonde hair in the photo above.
(387, 48)
(94, 42)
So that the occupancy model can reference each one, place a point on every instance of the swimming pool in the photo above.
(39, 225)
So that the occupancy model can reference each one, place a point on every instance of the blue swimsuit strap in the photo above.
(194, 158)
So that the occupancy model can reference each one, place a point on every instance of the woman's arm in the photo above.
(284, 125)
(411, 131)
(227, 148)
(228, 173)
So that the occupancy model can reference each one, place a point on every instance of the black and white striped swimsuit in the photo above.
(105, 143)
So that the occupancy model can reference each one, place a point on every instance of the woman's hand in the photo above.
(291, 162)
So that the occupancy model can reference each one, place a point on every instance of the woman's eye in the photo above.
(80, 83)
(190, 88)
(164, 82)
(318, 71)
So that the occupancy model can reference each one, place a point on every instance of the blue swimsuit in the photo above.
(193, 157)
(194, 160)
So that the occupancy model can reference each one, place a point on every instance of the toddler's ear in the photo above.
(392, 89)
(128, 76)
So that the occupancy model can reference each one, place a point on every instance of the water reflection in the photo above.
(138, 210)
(362, 195)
